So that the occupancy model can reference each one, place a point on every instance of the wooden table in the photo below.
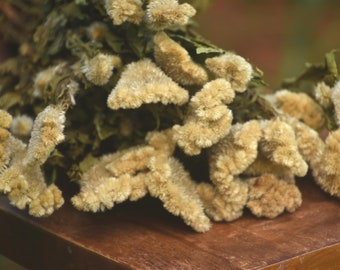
(142, 235)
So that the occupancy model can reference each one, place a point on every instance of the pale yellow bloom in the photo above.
(161, 14)
(279, 145)
(176, 61)
(233, 68)
(122, 11)
(143, 82)
(99, 69)
(322, 94)
(46, 134)
(208, 119)
(219, 206)
(335, 96)
(22, 125)
(5, 119)
(326, 169)
(270, 197)
(300, 106)
(96, 31)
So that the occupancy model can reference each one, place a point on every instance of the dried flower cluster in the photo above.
(118, 94)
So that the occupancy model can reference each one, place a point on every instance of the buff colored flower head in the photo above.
(335, 96)
(144, 82)
(208, 119)
(176, 62)
(233, 68)
(163, 14)
(22, 125)
(325, 170)
(99, 69)
(122, 11)
(300, 106)
(269, 196)
(46, 134)
(279, 144)
(322, 94)
(5, 119)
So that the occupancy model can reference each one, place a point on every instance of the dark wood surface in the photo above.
(142, 235)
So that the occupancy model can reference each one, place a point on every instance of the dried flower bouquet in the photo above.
(124, 96)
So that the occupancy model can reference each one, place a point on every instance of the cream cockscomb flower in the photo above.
(233, 68)
(122, 11)
(300, 106)
(99, 69)
(270, 197)
(161, 14)
(176, 61)
(322, 93)
(208, 119)
(136, 171)
(143, 82)
(22, 125)
(21, 177)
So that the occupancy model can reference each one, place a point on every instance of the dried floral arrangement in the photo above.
(128, 100)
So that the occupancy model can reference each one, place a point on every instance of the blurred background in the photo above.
(278, 37)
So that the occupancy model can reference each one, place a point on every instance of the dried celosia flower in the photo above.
(46, 134)
(279, 144)
(169, 182)
(219, 206)
(325, 170)
(99, 69)
(322, 94)
(269, 196)
(233, 68)
(122, 11)
(208, 118)
(335, 96)
(176, 61)
(143, 82)
(22, 125)
(300, 106)
(5, 119)
(131, 173)
(161, 14)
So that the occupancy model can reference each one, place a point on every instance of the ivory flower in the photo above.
(208, 119)
(122, 11)
(300, 106)
(21, 176)
(269, 196)
(99, 69)
(335, 96)
(161, 14)
(176, 61)
(22, 125)
(143, 82)
(233, 68)
(136, 171)
(322, 94)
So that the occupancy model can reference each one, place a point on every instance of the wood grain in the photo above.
(143, 235)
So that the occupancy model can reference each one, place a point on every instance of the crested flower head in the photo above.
(22, 125)
(335, 96)
(322, 94)
(144, 82)
(300, 106)
(46, 134)
(176, 61)
(208, 119)
(163, 14)
(233, 68)
(5, 119)
(122, 11)
(98, 70)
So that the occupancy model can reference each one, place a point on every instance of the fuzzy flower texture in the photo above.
(252, 163)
